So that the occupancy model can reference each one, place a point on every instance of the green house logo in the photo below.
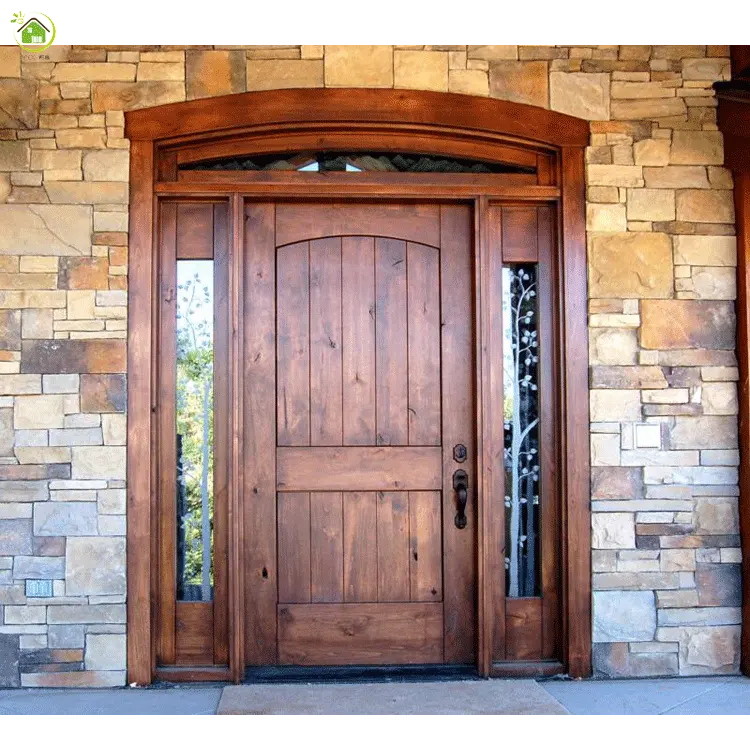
(34, 33)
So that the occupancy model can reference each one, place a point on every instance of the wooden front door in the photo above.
(358, 402)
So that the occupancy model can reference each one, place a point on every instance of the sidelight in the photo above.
(521, 420)
(194, 422)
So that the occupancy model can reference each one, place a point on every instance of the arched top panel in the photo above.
(382, 109)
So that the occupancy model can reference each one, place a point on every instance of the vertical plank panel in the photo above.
(294, 547)
(141, 392)
(167, 433)
(293, 371)
(426, 553)
(195, 230)
(549, 513)
(576, 441)
(519, 234)
(360, 547)
(424, 344)
(258, 455)
(393, 546)
(358, 335)
(390, 341)
(222, 427)
(325, 342)
(326, 547)
(458, 372)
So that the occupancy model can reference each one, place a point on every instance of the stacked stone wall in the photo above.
(662, 257)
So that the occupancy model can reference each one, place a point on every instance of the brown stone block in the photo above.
(10, 329)
(616, 483)
(687, 324)
(662, 529)
(127, 96)
(370, 66)
(109, 238)
(718, 585)
(26, 472)
(74, 679)
(49, 546)
(103, 393)
(66, 107)
(630, 265)
(20, 106)
(73, 356)
(627, 377)
(715, 206)
(214, 72)
(524, 82)
(677, 51)
(682, 377)
(84, 273)
(610, 66)
(647, 109)
(672, 410)
(118, 256)
(615, 660)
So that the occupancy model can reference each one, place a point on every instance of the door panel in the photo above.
(364, 505)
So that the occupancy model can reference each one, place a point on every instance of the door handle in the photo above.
(461, 487)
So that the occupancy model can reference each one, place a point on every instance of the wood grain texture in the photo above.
(393, 546)
(519, 234)
(361, 633)
(576, 443)
(293, 513)
(326, 416)
(523, 629)
(360, 547)
(423, 306)
(354, 469)
(358, 337)
(141, 443)
(293, 344)
(259, 444)
(425, 547)
(296, 222)
(391, 374)
(195, 231)
(326, 547)
(430, 110)
(194, 634)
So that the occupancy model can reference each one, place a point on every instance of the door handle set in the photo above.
(461, 488)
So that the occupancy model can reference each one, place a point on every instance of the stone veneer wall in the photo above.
(662, 283)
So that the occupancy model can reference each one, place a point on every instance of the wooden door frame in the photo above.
(448, 124)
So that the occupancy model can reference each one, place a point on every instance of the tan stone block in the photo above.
(716, 516)
(88, 192)
(642, 90)
(14, 155)
(675, 177)
(105, 652)
(602, 194)
(34, 281)
(605, 217)
(647, 204)
(127, 96)
(493, 52)
(75, 90)
(652, 152)
(677, 559)
(4, 187)
(38, 412)
(34, 264)
(705, 69)
(630, 265)
(104, 166)
(94, 565)
(36, 324)
(160, 71)
(114, 429)
(14, 299)
(640, 376)
(474, 82)
(618, 175)
(84, 138)
(719, 398)
(719, 373)
(584, 95)
(98, 462)
(166, 56)
(81, 305)
(697, 147)
(43, 455)
(647, 109)
(634, 52)
(613, 346)
(705, 206)
(605, 450)
(311, 51)
(687, 324)
(368, 66)
(612, 531)
(93, 72)
(720, 178)
(20, 103)
(10, 62)
(524, 82)
(420, 70)
(214, 72)
(615, 405)
(714, 283)
(705, 250)
(283, 74)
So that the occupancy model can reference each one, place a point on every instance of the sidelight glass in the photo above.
(195, 429)
(521, 420)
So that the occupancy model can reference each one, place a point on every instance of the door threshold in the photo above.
(293, 674)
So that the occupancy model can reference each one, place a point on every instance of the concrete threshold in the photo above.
(519, 697)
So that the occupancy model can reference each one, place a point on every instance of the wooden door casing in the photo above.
(359, 465)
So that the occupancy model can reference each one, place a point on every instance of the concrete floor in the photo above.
(716, 695)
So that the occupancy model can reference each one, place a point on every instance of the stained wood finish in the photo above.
(194, 634)
(410, 633)
(281, 121)
(380, 502)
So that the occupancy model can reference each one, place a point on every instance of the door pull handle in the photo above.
(461, 487)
